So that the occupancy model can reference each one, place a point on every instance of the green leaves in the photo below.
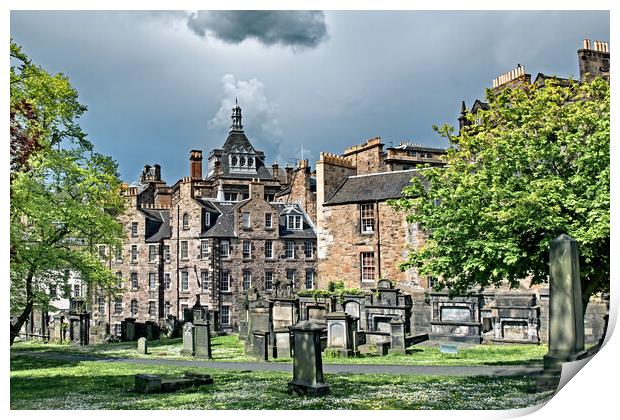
(532, 166)
(61, 191)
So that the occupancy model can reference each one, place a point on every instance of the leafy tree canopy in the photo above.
(64, 195)
(534, 165)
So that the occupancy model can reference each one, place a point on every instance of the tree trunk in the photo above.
(27, 310)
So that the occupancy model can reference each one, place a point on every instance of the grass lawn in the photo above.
(229, 348)
(51, 384)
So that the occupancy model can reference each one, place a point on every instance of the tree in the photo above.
(64, 196)
(535, 165)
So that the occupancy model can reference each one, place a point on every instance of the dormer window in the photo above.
(241, 161)
(250, 162)
(293, 222)
(234, 161)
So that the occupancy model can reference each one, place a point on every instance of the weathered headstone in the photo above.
(260, 345)
(307, 362)
(147, 384)
(202, 337)
(142, 346)
(566, 328)
(188, 339)
(398, 343)
(341, 329)
(130, 329)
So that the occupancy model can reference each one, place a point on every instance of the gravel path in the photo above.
(506, 370)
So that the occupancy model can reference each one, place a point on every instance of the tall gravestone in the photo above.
(188, 339)
(341, 333)
(307, 361)
(202, 332)
(566, 329)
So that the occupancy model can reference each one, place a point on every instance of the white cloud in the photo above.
(259, 114)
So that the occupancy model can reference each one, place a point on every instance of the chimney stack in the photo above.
(257, 189)
(195, 164)
(275, 170)
(594, 59)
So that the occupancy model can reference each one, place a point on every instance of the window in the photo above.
(432, 282)
(268, 280)
(225, 248)
(225, 281)
(134, 281)
(207, 219)
(119, 277)
(290, 275)
(204, 247)
(102, 252)
(166, 308)
(185, 221)
(309, 279)
(230, 196)
(367, 218)
(270, 198)
(183, 250)
(268, 249)
(204, 280)
(225, 315)
(134, 253)
(152, 309)
(268, 221)
(247, 280)
(247, 249)
(118, 252)
(117, 329)
(290, 249)
(152, 253)
(293, 222)
(308, 249)
(52, 291)
(76, 291)
(101, 304)
(152, 281)
(134, 229)
(184, 280)
(368, 266)
(134, 307)
(245, 219)
(118, 306)
(167, 281)
(167, 253)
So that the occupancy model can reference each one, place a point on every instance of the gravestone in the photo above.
(130, 329)
(283, 316)
(566, 327)
(307, 362)
(398, 343)
(188, 339)
(260, 345)
(202, 337)
(341, 329)
(147, 384)
(142, 346)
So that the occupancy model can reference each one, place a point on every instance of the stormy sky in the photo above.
(158, 84)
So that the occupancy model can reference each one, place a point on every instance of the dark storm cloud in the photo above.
(305, 29)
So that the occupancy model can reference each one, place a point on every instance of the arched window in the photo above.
(250, 162)
(185, 221)
(233, 160)
(242, 161)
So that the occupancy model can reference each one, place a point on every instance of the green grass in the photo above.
(38, 383)
(229, 348)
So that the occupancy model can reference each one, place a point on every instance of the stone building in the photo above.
(361, 239)
(209, 238)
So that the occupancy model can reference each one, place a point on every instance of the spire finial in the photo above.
(236, 118)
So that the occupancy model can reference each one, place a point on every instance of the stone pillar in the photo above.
(397, 337)
(566, 331)
(307, 362)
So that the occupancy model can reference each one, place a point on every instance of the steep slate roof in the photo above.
(238, 140)
(157, 224)
(373, 187)
(224, 226)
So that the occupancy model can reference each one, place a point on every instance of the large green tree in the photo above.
(63, 195)
(534, 165)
